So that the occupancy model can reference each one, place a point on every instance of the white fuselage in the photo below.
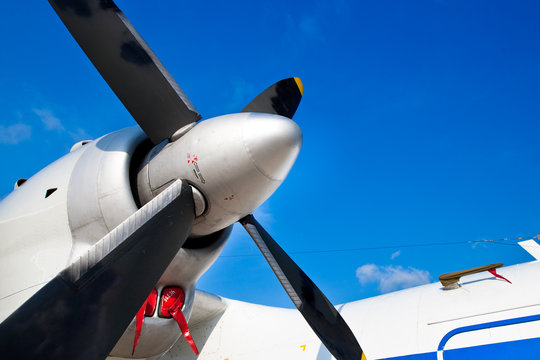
(484, 318)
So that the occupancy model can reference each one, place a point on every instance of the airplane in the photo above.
(152, 207)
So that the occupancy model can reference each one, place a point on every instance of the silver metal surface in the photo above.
(99, 195)
(113, 239)
(236, 161)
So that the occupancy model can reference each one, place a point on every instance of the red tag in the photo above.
(172, 300)
(147, 309)
(151, 303)
(494, 273)
(169, 297)
(182, 323)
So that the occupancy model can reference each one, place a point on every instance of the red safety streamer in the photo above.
(172, 300)
(147, 309)
(177, 314)
(138, 327)
(494, 273)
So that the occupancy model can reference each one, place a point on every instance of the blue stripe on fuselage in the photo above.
(488, 325)
(526, 349)
(423, 356)
(517, 349)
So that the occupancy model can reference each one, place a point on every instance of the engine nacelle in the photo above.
(99, 198)
(73, 203)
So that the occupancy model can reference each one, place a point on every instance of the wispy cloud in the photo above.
(263, 214)
(14, 134)
(395, 254)
(50, 121)
(79, 134)
(391, 278)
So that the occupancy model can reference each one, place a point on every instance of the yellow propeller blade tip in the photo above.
(300, 86)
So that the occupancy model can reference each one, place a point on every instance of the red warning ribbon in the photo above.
(172, 300)
(494, 273)
(138, 327)
(177, 315)
(147, 309)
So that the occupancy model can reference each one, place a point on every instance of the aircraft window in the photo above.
(50, 192)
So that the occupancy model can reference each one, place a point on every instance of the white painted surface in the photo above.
(36, 239)
(406, 322)
(531, 247)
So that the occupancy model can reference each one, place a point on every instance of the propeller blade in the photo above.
(282, 98)
(84, 310)
(320, 314)
(128, 65)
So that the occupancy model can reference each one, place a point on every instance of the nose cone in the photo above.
(273, 143)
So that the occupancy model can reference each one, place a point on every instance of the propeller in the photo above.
(162, 110)
(83, 311)
(128, 65)
(320, 314)
(282, 98)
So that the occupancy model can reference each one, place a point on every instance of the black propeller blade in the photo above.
(321, 315)
(282, 98)
(128, 65)
(84, 310)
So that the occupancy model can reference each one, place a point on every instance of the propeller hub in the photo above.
(236, 161)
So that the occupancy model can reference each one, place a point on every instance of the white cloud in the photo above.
(15, 133)
(263, 215)
(395, 254)
(50, 121)
(79, 134)
(391, 278)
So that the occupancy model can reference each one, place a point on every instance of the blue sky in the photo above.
(420, 121)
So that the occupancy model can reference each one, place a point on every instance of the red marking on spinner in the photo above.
(191, 158)
(230, 197)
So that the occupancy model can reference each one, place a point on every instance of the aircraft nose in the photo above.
(273, 143)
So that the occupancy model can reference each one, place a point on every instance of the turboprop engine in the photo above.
(136, 222)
